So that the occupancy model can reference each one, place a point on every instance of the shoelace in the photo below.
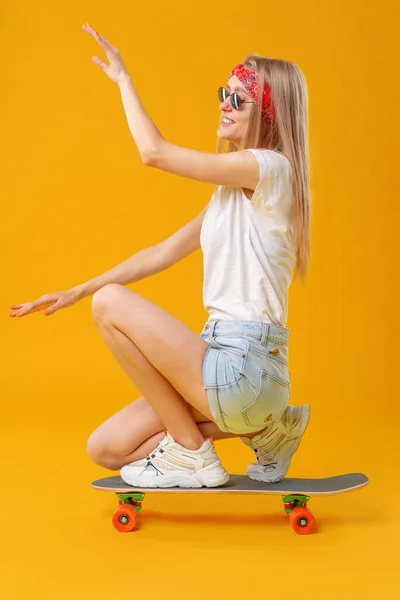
(157, 449)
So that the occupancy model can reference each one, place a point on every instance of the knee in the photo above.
(96, 449)
(99, 452)
(103, 299)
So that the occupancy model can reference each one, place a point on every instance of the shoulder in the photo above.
(274, 185)
(272, 157)
(272, 165)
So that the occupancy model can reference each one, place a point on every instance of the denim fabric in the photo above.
(246, 373)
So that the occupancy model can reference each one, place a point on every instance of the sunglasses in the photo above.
(235, 99)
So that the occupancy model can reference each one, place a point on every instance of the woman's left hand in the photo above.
(116, 70)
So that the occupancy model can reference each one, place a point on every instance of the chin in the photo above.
(223, 135)
(227, 138)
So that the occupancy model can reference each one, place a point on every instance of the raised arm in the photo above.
(236, 169)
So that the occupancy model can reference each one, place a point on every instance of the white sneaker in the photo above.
(172, 465)
(276, 444)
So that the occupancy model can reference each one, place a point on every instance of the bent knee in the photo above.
(100, 454)
(104, 298)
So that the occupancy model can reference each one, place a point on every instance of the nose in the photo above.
(225, 105)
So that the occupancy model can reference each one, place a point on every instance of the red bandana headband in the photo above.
(249, 79)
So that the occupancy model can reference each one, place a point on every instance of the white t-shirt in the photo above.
(248, 246)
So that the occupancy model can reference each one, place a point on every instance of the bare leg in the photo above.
(162, 357)
(174, 399)
(134, 432)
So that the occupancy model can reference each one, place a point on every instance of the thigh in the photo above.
(127, 429)
(175, 350)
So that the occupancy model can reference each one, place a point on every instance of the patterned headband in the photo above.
(249, 79)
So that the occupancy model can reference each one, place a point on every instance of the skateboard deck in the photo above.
(295, 494)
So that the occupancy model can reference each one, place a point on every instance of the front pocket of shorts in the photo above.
(235, 348)
(232, 343)
(270, 401)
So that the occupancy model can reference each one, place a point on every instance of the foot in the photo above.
(172, 465)
(276, 444)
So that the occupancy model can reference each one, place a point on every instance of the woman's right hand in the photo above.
(116, 70)
(51, 302)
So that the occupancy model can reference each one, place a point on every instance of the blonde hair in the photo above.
(288, 135)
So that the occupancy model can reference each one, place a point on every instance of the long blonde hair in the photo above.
(288, 135)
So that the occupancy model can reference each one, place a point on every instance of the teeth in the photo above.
(227, 121)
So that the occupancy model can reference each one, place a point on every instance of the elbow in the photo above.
(147, 158)
(152, 156)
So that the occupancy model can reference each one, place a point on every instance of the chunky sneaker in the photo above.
(172, 465)
(276, 444)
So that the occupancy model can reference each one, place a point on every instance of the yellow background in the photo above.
(76, 201)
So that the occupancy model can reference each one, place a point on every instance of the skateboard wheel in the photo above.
(302, 520)
(124, 518)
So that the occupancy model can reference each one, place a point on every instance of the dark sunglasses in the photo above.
(236, 100)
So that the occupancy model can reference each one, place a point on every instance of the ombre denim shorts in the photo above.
(246, 373)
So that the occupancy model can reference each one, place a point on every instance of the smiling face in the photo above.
(234, 132)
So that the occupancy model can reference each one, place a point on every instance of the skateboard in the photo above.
(295, 494)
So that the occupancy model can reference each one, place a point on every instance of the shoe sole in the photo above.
(207, 477)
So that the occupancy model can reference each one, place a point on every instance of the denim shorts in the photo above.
(246, 373)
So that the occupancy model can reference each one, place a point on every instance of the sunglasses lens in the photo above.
(222, 94)
(236, 101)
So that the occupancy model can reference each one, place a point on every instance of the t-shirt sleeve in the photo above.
(274, 184)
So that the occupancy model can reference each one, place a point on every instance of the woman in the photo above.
(233, 380)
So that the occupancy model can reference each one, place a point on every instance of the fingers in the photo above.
(28, 311)
(105, 44)
(90, 30)
(100, 62)
(19, 308)
(25, 311)
(53, 308)
(22, 312)
(30, 307)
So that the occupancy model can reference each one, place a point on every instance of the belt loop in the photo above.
(264, 337)
(212, 329)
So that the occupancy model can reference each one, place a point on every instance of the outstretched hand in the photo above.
(116, 70)
(49, 302)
